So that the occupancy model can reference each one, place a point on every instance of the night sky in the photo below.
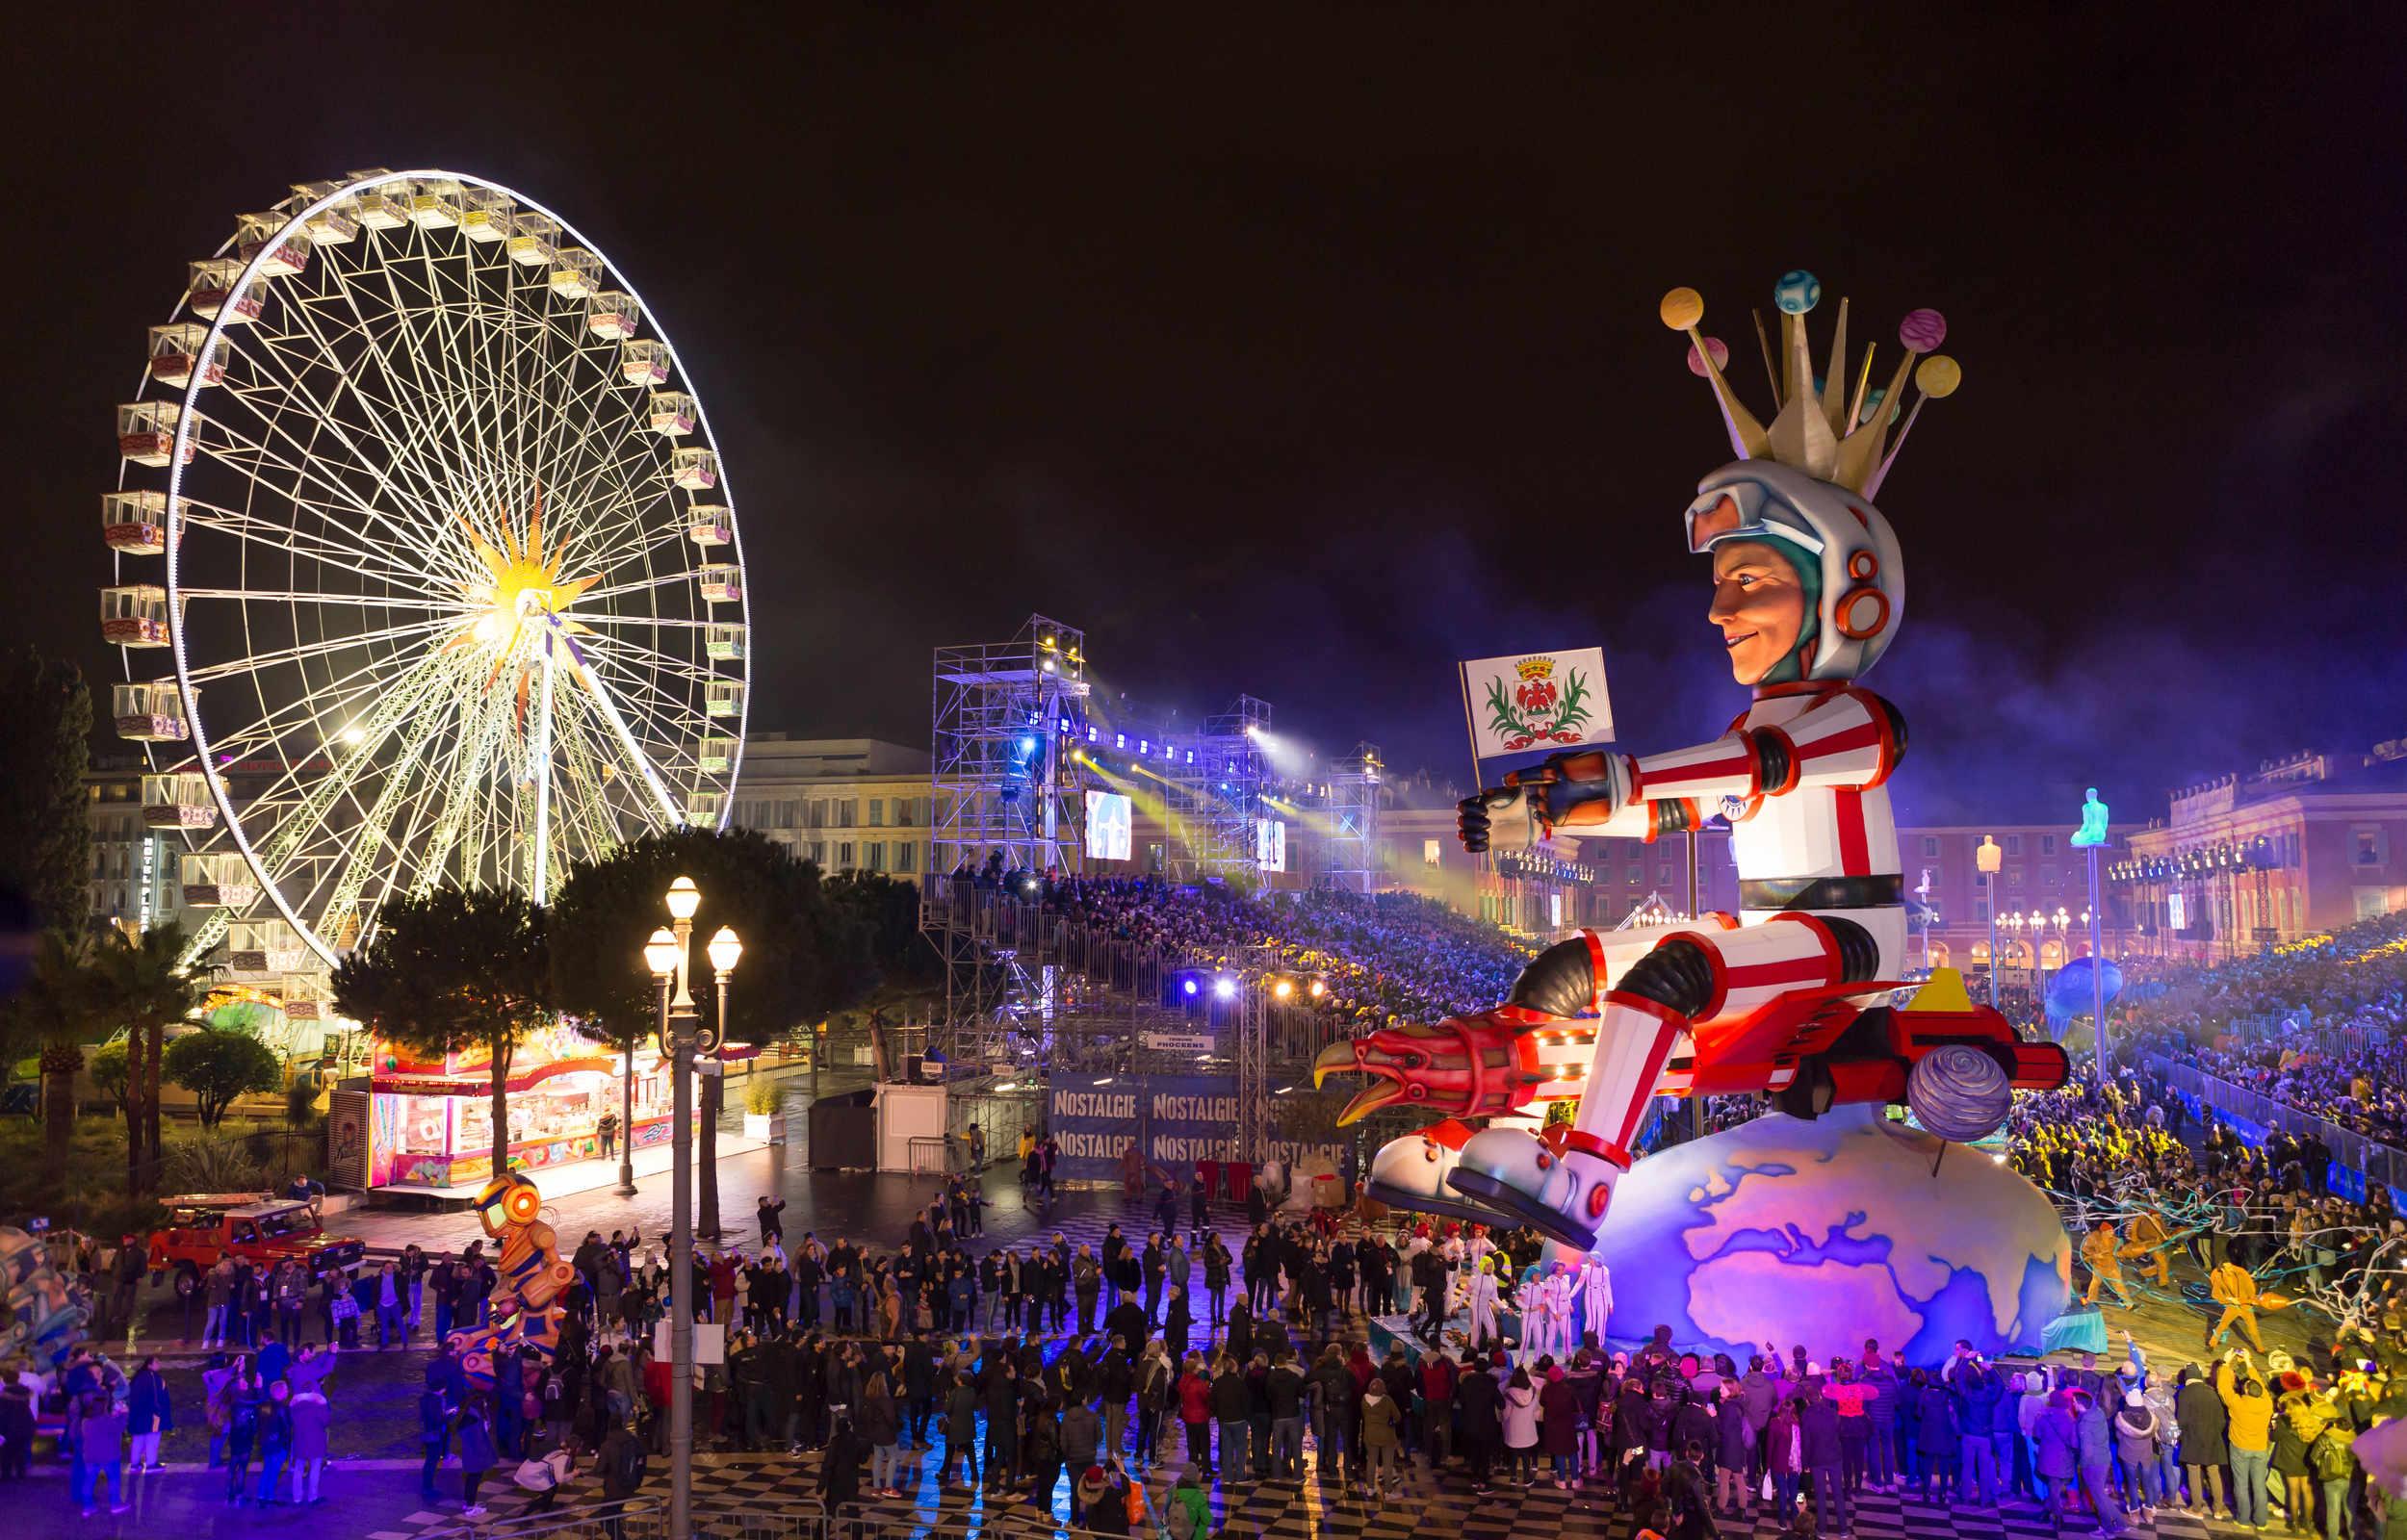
(1303, 357)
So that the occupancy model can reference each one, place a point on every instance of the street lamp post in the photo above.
(670, 954)
(627, 1110)
(1989, 858)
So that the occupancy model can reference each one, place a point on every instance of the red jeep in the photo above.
(203, 1226)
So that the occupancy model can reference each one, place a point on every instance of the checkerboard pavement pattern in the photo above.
(1272, 1510)
(1287, 1510)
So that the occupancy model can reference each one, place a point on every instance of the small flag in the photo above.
(1537, 701)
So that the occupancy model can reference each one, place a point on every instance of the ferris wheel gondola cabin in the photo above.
(134, 524)
(133, 615)
(178, 799)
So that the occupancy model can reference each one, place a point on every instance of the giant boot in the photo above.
(1559, 1180)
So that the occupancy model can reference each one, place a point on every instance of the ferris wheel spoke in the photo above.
(303, 650)
(400, 462)
(637, 759)
(413, 449)
(298, 595)
(669, 720)
(395, 707)
(693, 673)
(315, 546)
(434, 408)
(247, 458)
(271, 728)
(287, 386)
(358, 863)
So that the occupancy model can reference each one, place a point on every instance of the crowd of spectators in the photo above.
(2314, 1025)
(1394, 956)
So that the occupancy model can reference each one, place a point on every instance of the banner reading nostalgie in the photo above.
(1175, 1121)
(1531, 700)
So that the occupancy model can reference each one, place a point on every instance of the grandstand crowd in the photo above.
(1396, 957)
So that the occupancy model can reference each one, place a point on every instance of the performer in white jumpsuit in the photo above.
(1548, 1316)
(1482, 1295)
(1597, 1299)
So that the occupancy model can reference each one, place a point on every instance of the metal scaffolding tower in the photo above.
(1354, 864)
(1006, 811)
(1227, 778)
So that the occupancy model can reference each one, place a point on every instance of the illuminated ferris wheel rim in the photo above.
(252, 278)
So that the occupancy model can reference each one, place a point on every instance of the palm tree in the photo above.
(55, 1012)
(142, 984)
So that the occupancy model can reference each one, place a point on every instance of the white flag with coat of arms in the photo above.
(1526, 702)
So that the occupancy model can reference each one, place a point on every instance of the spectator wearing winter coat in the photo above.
(2135, 1431)
(1938, 1440)
(147, 1413)
(2094, 1450)
(1977, 1392)
(310, 1415)
(99, 1450)
(1882, 1389)
(1382, 1421)
(1824, 1456)
(477, 1455)
(2248, 1433)
(1479, 1413)
(1520, 1426)
(1784, 1457)
(1559, 1426)
(1734, 1453)
(2056, 1457)
(2199, 1412)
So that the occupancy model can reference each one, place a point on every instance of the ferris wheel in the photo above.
(427, 565)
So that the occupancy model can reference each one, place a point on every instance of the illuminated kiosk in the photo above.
(430, 1124)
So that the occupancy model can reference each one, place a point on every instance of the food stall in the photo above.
(430, 1124)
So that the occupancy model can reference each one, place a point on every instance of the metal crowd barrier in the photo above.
(2378, 1162)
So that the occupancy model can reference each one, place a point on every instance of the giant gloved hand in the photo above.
(1584, 787)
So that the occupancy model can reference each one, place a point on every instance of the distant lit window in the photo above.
(1429, 852)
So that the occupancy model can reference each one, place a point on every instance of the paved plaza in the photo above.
(372, 1483)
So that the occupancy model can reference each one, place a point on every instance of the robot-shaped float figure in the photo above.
(1789, 996)
(529, 1304)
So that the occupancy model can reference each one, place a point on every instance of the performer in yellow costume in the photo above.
(2099, 1250)
(2147, 1241)
(2235, 1289)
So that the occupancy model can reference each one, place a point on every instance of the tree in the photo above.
(803, 955)
(46, 831)
(887, 908)
(452, 970)
(140, 984)
(53, 1015)
(218, 1066)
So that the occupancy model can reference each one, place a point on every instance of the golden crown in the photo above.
(1821, 428)
(1536, 668)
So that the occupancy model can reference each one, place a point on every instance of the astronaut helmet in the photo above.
(1845, 553)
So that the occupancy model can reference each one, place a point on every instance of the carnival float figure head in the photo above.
(1808, 592)
(525, 1307)
(1808, 581)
